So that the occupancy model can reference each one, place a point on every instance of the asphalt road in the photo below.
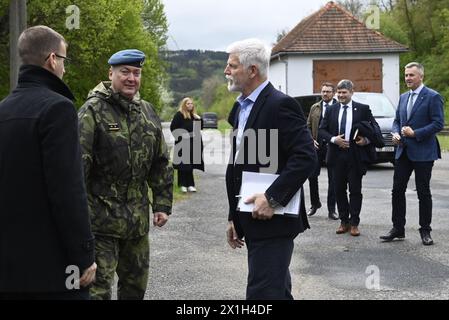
(190, 258)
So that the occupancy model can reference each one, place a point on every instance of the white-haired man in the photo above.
(269, 238)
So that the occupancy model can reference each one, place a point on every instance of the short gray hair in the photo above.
(252, 52)
(35, 43)
(345, 84)
(418, 65)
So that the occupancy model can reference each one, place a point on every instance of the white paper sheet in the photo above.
(255, 182)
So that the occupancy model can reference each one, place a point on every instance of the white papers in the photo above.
(254, 182)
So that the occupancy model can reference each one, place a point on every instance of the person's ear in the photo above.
(110, 73)
(51, 62)
(252, 71)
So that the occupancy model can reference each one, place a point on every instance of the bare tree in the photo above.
(354, 6)
(387, 5)
(281, 34)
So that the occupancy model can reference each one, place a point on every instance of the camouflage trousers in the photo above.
(129, 258)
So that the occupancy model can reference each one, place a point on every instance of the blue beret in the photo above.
(130, 57)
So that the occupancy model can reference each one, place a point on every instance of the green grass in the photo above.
(223, 125)
(444, 142)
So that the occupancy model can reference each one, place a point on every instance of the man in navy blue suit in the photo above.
(419, 117)
(277, 124)
(349, 152)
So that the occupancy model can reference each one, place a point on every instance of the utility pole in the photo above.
(17, 23)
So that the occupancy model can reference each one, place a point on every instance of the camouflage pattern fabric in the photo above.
(124, 155)
(130, 258)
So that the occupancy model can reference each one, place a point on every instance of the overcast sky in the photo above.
(214, 24)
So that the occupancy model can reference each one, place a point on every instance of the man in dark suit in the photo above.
(276, 123)
(419, 117)
(46, 242)
(348, 153)
(314, 119)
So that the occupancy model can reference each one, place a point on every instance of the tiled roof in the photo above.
(332, 29)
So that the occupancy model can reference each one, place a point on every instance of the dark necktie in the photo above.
(343, 121)
(323, 112)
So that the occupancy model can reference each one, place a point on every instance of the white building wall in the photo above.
(300, 72)
(276, 75)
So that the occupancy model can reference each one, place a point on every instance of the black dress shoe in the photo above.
(392, 234)
(313, 210)
(425, 237)
(333, 216)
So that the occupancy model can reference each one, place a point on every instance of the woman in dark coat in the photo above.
(188, 153)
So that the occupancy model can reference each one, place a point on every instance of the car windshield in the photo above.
(380, 105)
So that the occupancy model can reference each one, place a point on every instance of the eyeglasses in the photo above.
(66, 60)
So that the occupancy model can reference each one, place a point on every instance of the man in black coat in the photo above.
(46, 244)
(274, 124)
(344, 128)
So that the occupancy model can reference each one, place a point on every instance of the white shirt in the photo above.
(416, 92)
(348, 120)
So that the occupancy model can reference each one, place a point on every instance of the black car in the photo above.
(210, 120)
(383, 111)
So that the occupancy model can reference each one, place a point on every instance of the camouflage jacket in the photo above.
(124, 155)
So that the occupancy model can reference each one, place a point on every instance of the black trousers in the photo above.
(268, 262)
(314, 188)
(403, 169)
(345, 173)
(185, 178)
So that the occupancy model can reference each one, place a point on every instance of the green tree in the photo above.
(422, 25)
(106, 27)
(223, 102)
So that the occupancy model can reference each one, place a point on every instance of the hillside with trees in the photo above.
(198, 74)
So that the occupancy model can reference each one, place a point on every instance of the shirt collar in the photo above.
(254, 95)
(417, 90)
(348, 104)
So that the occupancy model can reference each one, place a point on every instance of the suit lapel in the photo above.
(403, 108)
(334, 117)
(418, 101)
(236, 115)
(258, 105)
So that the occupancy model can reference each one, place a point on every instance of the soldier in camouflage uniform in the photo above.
(124, 155)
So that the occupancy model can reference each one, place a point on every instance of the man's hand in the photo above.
(316, 144)
(407, 132)
(361, 141)
(396, 138)
(159, 219)
(341, 142)
(88, 275)
(231, 235)
(262, 209)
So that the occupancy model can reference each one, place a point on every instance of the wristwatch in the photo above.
(271, 202)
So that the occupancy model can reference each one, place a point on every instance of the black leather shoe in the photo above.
(392, 234)
(333, 216)
(425, 237)
(313, 209)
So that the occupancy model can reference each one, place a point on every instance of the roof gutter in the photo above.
(322, 52)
